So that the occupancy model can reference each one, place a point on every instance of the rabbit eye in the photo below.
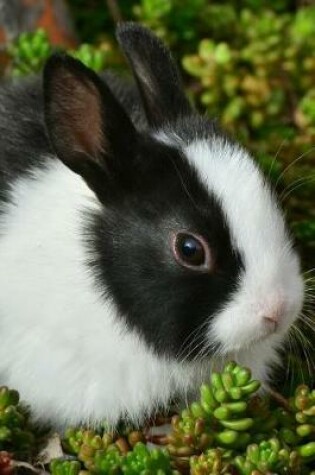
(191, 251)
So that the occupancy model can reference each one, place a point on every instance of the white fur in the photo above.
(271, 283)
(62, 347)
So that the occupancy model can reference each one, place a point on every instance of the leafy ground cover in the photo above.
(230, 429)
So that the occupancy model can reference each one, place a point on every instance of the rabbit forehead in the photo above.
(229, 173)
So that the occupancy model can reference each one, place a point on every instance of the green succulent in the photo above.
(189, 435)
(103, 456)
(230, 416)
(268, 457)
(15, 435)
(230, 430)
(91, 448)
(29, 52)
(223, 403)
(90, 56)
(265, 420)
(64, 467)
(213, 461)
(303, 404)
(107, 462)
(142, 461)
(219, 419)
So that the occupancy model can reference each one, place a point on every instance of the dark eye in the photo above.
(191, 251)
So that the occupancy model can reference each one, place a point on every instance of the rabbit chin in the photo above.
(242, 334)
(261, 313)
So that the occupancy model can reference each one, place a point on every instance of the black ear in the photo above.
(89, 130)
(156, 74)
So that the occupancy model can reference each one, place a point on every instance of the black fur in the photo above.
(76, 102)
(24, 142)
(134, 262)
(156, 74)
(147, 188)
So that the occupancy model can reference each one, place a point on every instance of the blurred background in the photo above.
(249, 63)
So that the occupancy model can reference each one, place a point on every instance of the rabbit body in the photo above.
(100, 318)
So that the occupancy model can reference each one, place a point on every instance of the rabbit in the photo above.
(140, 247)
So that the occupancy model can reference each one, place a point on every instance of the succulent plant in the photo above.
(112, 454)
(96, 58)
(220, 417)
(106, 461)
(303, 404)
(230, 430)
(268, 457)
(29, 52)
(142, 461)
(65, 467)
(214, 461)
(90, 56)
(15, 435)
(233, 428)
(298, 424)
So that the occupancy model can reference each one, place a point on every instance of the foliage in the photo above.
(112, 454)
(231, 426)
(232, 429)
(262, 81)
(65, 467)
(15, 431)
(30, 51)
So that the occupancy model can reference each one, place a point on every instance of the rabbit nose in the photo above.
(272, 322)
(273, 314)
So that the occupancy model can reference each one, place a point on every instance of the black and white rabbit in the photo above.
(138, 245)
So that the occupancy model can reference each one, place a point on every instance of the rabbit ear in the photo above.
(88, 128)
(155, 72)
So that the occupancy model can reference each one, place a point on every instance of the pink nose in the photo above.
(272, 321)
(273, 313)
